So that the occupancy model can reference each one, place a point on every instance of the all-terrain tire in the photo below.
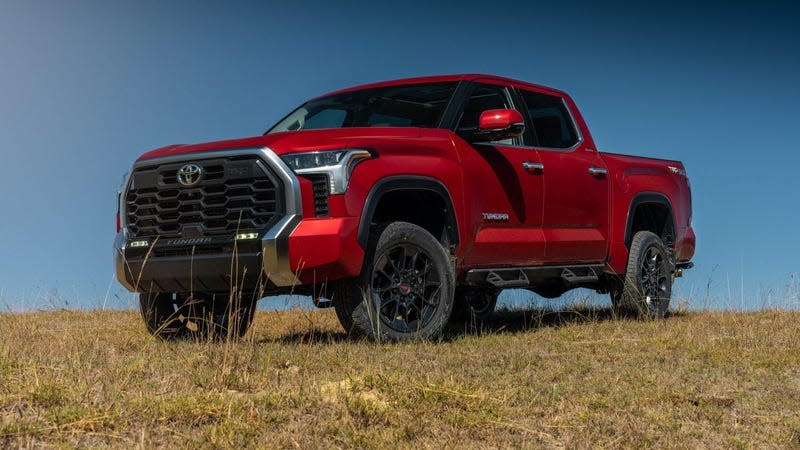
(172, 316)
(646, 289)
(406, 288)
(232, 315)
(345, 295)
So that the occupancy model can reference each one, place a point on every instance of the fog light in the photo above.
(246, 236)
(140, 244)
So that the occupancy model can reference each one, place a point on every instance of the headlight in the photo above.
(337, 164)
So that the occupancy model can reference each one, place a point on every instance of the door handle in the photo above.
(598, 171)
(533, 166)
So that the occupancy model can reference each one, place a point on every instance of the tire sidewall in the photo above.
(160, 314)
(633, 297)
(366, 313)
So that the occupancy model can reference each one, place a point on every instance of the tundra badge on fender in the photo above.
(495, 217)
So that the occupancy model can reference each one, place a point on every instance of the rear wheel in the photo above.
(405, 290)
(647, 287)
(197, 316)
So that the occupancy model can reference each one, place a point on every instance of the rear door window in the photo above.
(551, 123)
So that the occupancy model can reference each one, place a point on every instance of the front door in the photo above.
(505, 191)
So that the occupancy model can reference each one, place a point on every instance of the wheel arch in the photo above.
(650, 201)
(410, 184)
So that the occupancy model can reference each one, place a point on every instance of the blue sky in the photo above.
(85, 87)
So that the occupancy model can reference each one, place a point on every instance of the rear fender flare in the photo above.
(642, 199)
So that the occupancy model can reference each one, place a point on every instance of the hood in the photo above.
(291, 141)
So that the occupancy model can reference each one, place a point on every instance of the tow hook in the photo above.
(680, 267)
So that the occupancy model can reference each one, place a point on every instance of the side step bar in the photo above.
(506, 278)
(519, 277)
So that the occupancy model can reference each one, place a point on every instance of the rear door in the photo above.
(502, 186)
(575, 219)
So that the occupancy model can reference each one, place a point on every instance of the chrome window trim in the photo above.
(274, 243)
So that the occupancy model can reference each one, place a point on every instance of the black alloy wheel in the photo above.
(405, 287)
(654, 278)
(647, 287)
(405, 290)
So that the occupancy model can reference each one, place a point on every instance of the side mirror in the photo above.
(496, 125)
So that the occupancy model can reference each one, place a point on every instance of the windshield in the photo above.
(415, 105)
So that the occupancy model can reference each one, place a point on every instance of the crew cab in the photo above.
(403, 205)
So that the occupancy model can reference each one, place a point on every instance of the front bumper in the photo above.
(314, 251)
(246, 265)
(250, 265)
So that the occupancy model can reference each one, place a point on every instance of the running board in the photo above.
(519, 277)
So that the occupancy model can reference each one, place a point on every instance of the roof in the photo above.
(445, 78)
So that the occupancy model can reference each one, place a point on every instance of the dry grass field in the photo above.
(578, 378)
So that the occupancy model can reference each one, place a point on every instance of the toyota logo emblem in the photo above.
(190, 174)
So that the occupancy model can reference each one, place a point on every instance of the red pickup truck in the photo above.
(401, 204)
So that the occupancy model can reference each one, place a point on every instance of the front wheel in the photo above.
(173, 316)
(406, 288)
(647, 287)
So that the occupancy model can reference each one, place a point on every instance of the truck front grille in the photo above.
(235, 193)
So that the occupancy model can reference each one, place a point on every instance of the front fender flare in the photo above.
(410, 183)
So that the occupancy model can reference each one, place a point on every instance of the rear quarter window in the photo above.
(551, 122)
